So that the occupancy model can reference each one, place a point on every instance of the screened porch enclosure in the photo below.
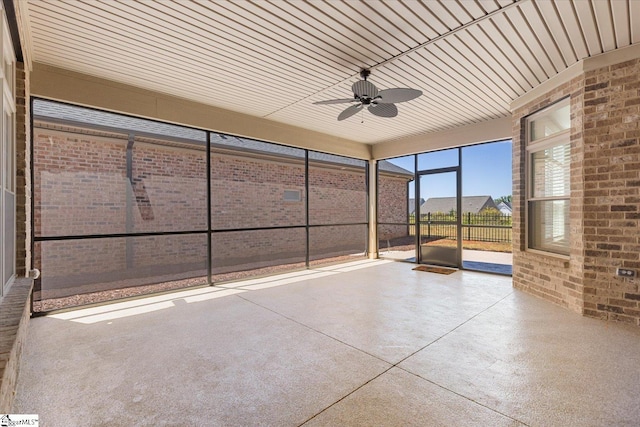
(431, 214)
(125, 206)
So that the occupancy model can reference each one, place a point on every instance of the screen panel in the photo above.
(83, 271)
(337, 189)
(235, 253)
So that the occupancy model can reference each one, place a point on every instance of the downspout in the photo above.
(407, 197)
(209, 220)
(307, 250)
(129, 202)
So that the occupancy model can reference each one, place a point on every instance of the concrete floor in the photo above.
(362, 344)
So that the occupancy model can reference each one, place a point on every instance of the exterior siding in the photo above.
(605, 198)
(82, 188)
(23, 172)
(612, 191)
(392, 206)
(553, 278)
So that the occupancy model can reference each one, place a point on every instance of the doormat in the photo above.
(439, 270)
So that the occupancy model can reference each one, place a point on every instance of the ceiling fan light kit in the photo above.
(380, 103)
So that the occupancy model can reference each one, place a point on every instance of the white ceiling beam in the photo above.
(63, 85)
(492, 130)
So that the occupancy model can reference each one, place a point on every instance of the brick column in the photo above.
(373, 205)
(612, 191)
(23, 172)
(605, 198)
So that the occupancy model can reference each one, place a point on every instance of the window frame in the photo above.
(8, 154)
(556, 139)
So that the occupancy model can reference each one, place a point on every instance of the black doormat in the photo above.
(439, 270)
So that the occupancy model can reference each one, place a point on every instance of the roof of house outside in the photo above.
(412, 205)
(61, 113)
(505, 208)
(473, 204)
(390, 167)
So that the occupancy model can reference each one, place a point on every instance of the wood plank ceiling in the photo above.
(273, 59)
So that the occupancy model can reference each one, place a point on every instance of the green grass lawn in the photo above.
(474, 245)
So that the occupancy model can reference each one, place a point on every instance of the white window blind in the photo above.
(549, 179)
(550, 171)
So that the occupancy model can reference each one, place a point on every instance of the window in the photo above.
(292, 196)
(548, 178)
(9, 72)
(9, 142)
(7, 160)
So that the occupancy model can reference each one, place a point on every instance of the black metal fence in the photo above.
(483, 227)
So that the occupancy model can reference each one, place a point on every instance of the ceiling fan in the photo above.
(380, 103)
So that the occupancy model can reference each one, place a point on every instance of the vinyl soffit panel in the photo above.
(273, 59)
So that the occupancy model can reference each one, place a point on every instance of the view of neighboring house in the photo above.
(505, 208)
(473, 204)
(153, 179)
(412, 205)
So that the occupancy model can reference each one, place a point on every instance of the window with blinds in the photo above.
(548, 178)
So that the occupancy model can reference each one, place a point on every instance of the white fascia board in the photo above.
(491, 130)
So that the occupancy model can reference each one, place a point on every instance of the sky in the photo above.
(486, 170)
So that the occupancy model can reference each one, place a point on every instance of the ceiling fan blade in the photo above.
(363, 88)
(391, 96)
(383, 110)
(349, 111)
(335, 101)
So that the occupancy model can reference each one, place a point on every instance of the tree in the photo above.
(506, 199)
(490, 211)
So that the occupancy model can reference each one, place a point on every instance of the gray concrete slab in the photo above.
(489, 257)
(368, 343)
(399, 398)
(386, 312)
(540, 364)
(211, 363)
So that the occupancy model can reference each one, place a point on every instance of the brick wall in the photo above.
(392, 206)
(84, 185)
(553, 278)
(612, 191)
(14, 323)
(81, 187)
(23, 172)
(80, 184)
(169, 188)
(336, 196)
(249, 193)
(605, 198)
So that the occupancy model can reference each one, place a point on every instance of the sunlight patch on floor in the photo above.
(144, 305)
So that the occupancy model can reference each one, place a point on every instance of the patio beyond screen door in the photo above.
(463, 196)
